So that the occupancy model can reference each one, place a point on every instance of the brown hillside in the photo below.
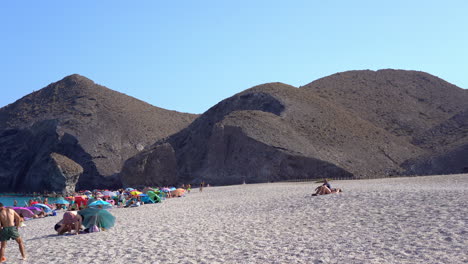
(351, 124)
(275, 132)
(428, 111)
(405, 103)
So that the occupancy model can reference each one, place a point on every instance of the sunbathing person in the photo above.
(325, 188)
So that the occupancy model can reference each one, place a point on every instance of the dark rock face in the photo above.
(64, 173)
(29, 163)
(355, 124)
(453, 161)
(233, 157)
(152, 168)
(93, 126)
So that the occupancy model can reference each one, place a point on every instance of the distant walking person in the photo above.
(9, 224)
(201, 186)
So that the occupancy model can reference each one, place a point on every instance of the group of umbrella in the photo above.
(92, 205)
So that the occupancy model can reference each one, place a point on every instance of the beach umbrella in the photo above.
(173, 189)
(166, 190)
(25, 212)
(35, 210)
(135, 193)
(129, 189)
(61, 201)
(143, 195)
(43, 206)
(90, 201)
(99, 217)
(100, 204)
(146, 199)
(154, 196)
(80, 200)
(147, 189)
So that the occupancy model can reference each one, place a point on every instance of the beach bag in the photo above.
(94, 228)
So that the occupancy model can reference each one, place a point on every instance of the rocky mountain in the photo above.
(429, 112)
(354, 124)
(76, 132)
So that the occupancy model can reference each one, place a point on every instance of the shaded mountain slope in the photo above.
(108, 126)
(448, 145)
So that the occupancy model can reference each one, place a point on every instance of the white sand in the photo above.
(400, 220)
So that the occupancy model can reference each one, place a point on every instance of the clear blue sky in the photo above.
(189, 55)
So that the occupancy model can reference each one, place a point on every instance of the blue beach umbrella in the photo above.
(99, 217)
(100, 204)
(43, 206)
(61, 201)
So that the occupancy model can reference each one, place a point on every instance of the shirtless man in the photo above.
(9, 224)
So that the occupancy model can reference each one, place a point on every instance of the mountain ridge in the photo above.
(355, 124)
(369, 135)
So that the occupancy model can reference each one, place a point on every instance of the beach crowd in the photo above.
(83, 211)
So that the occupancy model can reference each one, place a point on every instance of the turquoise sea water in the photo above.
(22, 200)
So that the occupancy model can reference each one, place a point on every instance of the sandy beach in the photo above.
(397, 220)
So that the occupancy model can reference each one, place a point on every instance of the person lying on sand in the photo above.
(321, 190)
(325, 188)
(9, 224)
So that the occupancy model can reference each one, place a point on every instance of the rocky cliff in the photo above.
(88, 124)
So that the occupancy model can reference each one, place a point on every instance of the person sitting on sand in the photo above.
(9, 225)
